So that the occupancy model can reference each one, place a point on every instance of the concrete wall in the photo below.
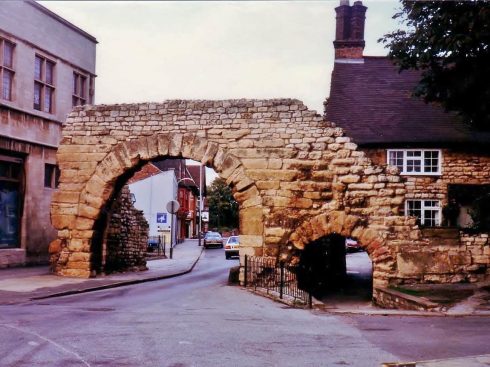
(36, 231)
(31, 134)
(34, 31)
(32, 22)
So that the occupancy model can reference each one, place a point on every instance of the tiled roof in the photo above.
(372, 101)
(146, 171)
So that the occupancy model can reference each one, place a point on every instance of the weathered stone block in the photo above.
(175, 145)
(251, 221)
(250, 241)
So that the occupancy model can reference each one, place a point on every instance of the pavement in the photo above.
(19, 285)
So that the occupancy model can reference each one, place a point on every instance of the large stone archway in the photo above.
(295, 176)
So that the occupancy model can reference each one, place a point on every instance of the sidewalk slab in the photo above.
(23, 284)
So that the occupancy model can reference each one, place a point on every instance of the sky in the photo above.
(156, 50)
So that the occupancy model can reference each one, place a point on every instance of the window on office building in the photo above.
(6, 68)
(44, 84)
(79, 96)
(51, 176)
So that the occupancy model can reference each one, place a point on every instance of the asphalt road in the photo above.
(198, 320)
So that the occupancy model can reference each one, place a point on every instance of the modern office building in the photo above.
(47, 66)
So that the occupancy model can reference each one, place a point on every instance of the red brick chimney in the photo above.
(349, 36)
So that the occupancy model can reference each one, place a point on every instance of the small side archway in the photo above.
(372, 239)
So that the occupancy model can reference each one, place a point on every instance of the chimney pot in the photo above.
(349, 38)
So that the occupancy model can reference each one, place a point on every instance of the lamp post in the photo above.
(200, 205)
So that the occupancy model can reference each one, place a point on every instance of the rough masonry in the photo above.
(119, 242)
(296, 177)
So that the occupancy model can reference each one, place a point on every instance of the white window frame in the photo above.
(426, 206)
(404, 171)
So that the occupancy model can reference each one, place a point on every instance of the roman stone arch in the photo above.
(373, 239)
(295, 176)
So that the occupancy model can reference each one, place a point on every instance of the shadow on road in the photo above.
(356, 287)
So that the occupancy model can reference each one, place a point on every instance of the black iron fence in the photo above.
(275, 278)
(156, 244)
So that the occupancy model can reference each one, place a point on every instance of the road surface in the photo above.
(198, 320)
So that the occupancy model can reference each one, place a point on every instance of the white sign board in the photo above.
(205, 216)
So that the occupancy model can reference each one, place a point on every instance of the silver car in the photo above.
(232, 246)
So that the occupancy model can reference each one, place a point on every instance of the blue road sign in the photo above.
(162, 218)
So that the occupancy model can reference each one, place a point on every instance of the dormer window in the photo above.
(416, 161)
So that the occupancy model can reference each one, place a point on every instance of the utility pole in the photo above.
(200, 204)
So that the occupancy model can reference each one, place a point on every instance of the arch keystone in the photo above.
(163, 144)
(175, 146)
(152, 142)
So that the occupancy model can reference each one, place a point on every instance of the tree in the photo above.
(223, 209)
(449, 41)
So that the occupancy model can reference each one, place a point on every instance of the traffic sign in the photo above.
(173, 206)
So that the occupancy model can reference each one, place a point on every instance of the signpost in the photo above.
(172, 207)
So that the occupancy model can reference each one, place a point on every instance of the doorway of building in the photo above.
(10, 201)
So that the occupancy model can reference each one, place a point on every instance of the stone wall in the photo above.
(451, 255)
(127, 236)
(295, 176)
(476, 249)
(458, 167)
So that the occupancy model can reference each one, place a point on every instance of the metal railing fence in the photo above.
(276, 278)
(157, 243)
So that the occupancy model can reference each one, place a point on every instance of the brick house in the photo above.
(188, 180)
(445, 164)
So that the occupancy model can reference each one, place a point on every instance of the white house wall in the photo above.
(152, 195)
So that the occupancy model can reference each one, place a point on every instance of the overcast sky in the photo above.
(153, 51)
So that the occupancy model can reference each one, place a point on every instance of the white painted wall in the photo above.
(152, 195)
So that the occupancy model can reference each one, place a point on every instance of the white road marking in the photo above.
(52, 342)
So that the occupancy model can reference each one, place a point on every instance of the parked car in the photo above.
(232, 247)
(352, 245)
(213, 239)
